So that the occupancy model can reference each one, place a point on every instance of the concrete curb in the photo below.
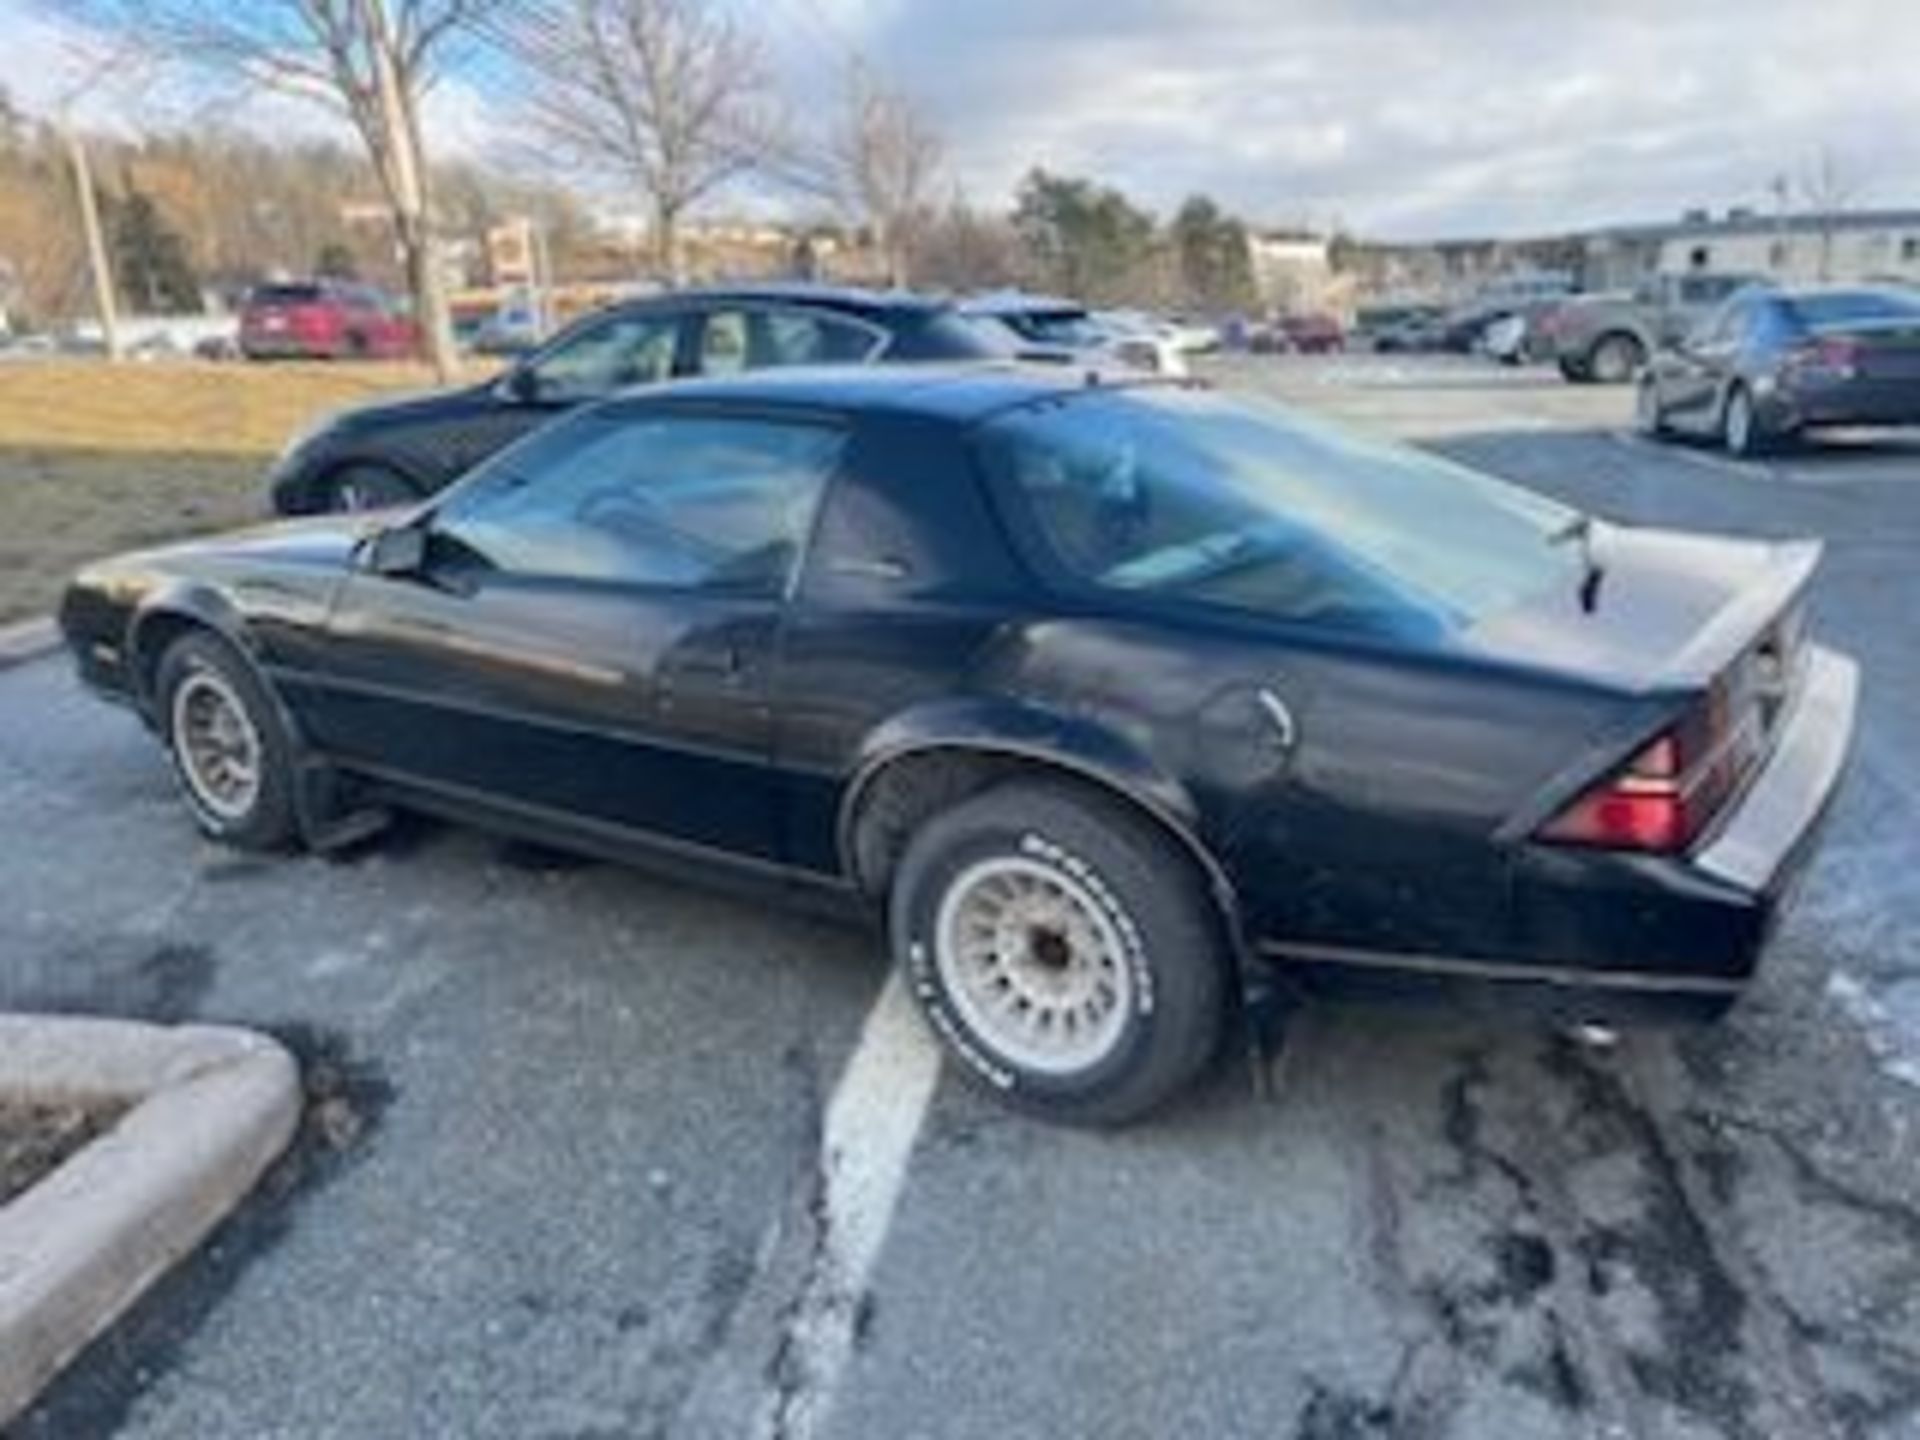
(212, 1108)
(28, 640)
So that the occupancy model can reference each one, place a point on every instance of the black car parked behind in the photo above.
(391, 452)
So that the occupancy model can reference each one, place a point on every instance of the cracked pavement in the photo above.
(562, 1175)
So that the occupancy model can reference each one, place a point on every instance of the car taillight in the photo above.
(1833, 355)
(1667, 794)
(1640, 807)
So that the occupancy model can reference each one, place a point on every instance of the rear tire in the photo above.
(365, 487)
(1574, 372)
(1616, 359)
(1063, 949)
(231, 753)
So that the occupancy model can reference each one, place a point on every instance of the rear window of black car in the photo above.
(1231, 503)
(1844, 307)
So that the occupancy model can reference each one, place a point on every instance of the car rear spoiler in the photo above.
(1717, 643)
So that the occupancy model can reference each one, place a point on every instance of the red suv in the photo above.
(323, 320)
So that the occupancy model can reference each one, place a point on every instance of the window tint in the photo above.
(285, 294)
(1236, 504)
(760, 339)
(631, 349)
(723, 343)
(1843, 307)
(689, 502)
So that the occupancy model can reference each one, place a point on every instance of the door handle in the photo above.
(879, 567)
(723, 662)
(1286, 732)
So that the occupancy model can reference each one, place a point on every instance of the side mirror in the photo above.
(522, 384)
(398, 552)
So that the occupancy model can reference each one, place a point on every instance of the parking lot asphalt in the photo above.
(566, 1174)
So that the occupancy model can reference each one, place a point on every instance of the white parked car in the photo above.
(1068, 327)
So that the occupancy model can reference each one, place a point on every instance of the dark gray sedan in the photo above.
(1771, 365)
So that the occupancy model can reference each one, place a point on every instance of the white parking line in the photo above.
(872, 1121)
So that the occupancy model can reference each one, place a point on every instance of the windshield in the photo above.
(1233, 503)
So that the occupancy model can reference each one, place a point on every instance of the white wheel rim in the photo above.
(217, 745)
(1034, 964)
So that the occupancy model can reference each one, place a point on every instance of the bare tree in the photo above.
(369, 60)
(664, 95)
(1828, 187)
(880, 167)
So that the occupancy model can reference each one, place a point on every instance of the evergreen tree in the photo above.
(150, 259)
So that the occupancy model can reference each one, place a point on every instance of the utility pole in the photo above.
(409, 181)
(96, 244)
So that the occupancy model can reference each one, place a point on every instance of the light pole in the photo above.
(97, 261)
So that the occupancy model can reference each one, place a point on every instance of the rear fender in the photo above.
(1072, 745)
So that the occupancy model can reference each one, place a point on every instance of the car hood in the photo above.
(1669, 609)
(402, 404)
(321, 541)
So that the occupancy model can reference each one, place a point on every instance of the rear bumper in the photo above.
(1767, 840)
(1609, 935)
(1856, 401)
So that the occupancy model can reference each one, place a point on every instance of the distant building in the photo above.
(1851, 245)
(1854, 245)
(1294, 273)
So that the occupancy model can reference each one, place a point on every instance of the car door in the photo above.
(590, 633)
(1701, 362)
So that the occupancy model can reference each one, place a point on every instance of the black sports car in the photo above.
(1770, 365)
(1106, 696)
(394, 452)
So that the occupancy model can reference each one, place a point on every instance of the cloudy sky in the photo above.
(1404, 118)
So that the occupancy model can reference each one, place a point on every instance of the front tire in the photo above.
(231, 753)
(1741, 430)
(1649, 414)
(1616, 359)
(1063, 949)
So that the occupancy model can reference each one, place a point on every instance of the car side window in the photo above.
(675, 501)
(765, 338)
(630, 349)
(796, 337)
(1718, 328)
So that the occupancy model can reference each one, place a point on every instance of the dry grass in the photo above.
(96, 458)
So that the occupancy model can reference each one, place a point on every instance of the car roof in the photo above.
(1017, 302)
(964, 391)
(797, 292)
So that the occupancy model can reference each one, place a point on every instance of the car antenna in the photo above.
(1580, 528)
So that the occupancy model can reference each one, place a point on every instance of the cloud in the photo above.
(1401, 118)
(1414, 118)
